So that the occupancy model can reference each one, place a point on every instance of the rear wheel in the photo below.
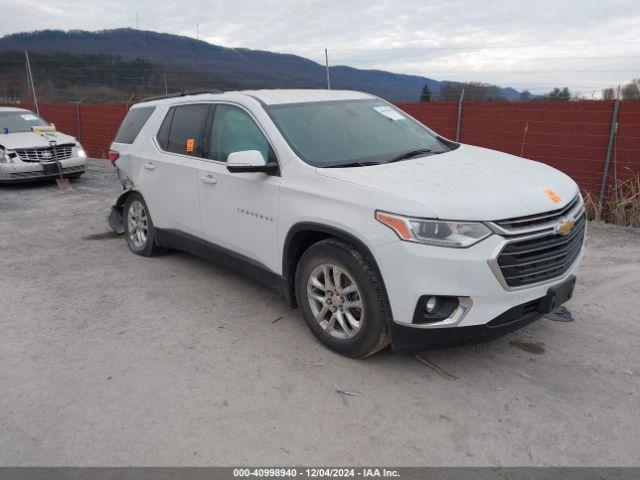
(341, 298)
(138, 227)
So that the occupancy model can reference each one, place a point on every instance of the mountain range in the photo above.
(148, 59)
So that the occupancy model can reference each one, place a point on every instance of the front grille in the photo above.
(538, 220)
(533, 260)
(45, 154)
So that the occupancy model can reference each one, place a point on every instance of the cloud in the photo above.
(586, 45)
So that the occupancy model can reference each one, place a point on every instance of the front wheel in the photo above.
(138, 227)
(342, 299)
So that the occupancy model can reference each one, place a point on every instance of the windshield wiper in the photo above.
(409, 154)
(352, 164)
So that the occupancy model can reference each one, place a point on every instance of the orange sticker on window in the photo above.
(555, 198)
(191, 144)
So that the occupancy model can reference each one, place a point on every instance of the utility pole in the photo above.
(78, 119)
(198, 31)
(524, 137)
(607, 159)
(30, 79)
(326, 59)
(137, 23)
(166, 89)
(458, 124)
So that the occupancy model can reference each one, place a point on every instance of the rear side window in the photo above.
(132, 124)
(186, 131)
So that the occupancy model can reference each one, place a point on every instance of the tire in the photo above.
(138, 228)
(354, 322)
(74, 176)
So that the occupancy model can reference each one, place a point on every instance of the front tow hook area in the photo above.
(115, 219)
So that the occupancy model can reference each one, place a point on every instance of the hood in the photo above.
(469, 183)
(31, 139)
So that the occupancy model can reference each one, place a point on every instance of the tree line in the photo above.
(627, 92)
(490, 93)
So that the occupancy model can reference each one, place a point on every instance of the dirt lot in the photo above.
(107, 358)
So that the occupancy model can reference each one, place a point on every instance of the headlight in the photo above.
(80, 151)
(4, 158)
(435, 232)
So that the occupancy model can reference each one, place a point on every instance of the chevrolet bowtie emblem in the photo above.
(565, 227)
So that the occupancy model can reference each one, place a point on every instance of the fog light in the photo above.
(432, 304)
(434, 308)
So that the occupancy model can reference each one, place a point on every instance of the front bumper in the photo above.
(20, 172)
(412, 270)
(411, 340)
(407, 340)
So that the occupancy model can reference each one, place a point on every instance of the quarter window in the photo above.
(187, 126)
(132, 124)
(234, 130)
(163, 133)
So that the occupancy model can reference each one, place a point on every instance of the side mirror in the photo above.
(249, 161)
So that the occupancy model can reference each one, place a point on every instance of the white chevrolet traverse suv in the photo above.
(380, 230)
(31, 149)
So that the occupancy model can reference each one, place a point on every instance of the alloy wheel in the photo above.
(137, 223)
(335, 301)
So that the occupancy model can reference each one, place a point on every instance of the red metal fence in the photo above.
(571, 136)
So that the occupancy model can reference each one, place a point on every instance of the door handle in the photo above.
(209, 179)
(149, 166)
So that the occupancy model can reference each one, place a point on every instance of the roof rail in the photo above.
(183, 93)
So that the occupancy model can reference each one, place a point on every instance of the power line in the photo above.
(476, 48)
(528, 72)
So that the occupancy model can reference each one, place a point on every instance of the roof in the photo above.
(12, 109)
(267, 97)
(275, 97)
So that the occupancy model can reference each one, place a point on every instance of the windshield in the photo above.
(20, 121)
(329, 134)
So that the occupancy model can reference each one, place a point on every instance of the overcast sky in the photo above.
(585, 45)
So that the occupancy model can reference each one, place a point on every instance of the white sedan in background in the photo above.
(31, 149)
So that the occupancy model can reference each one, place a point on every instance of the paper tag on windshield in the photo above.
(389, 112)
(29, 117)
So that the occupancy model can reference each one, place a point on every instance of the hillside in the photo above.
(187, 63)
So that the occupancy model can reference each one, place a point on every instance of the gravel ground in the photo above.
(107, 358)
